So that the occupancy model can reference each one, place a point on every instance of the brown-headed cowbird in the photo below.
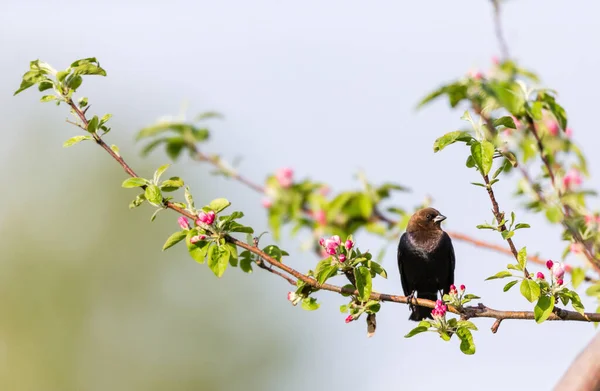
(425, 259)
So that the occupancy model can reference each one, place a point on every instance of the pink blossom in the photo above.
(331, 250)
(183, 222)
(558, 270)
(285, 177)
(560, 281)
(540, 276)
(575, 248)
(349, 319)
(495, 60)
(320, 217)
(569, 132)
(349, 244)
(332, 244)
(206, 218)
(291, 296)
(197, 238)
(267, 203)
(342, 258)
(462, 288)
(321, 242)
(440, 309)
(549, 264)
(568, 268)
(552, 127)
(572, 179)
(453, 290)
(475, 74)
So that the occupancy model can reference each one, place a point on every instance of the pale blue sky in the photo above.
(329, 88)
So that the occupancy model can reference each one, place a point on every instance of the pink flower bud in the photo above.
(195, 239)
(321, 217)
(560, 281)
(285, 177)
(575, 248)
(349, 319)
(206, 217)
(540, 276)
(321, 242)
(568, 268)
(552, 127)
(475, 74)
(549, 264)
(331, 250)
(440, 309)
(202, 237)
(572, 179)
(267, 203)
(495, 60)
(558, 270)
(453, 290)
(568, 132)
(349, 244)
(183, 222)
(342, 258)
(462, 288)
(332, 244)
(291, 296)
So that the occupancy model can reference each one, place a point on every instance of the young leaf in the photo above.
(174, 239)
(310, 304)
(217, 205)
(510, 285)
(577, 276)
(502, 274)
(543, 308)
(159, 172)
(326, 269)
(92, 126)
(506, 121)
(416, 330)
(75, 140)
(218, 259)
(153, 195)
(134, 182)
(363, 282)
(530, 290)
(522, 257)
(467, 346)
(483, 153)
(198, 250)
(451, 138)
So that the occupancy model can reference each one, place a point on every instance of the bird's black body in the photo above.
(425, 259)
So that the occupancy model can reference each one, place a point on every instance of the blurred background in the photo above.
(89, 302)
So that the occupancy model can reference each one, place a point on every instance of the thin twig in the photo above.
(498, 30)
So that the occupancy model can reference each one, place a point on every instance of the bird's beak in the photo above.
(439, 218)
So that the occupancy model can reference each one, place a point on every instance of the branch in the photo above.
(498, 30)
(480, 311)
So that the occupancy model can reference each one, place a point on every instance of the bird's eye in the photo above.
(429, 216)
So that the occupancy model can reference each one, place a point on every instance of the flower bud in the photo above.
(206, 217)
(560, 281)
(285, 177)
(540, 276)
(549, 264)
(267, 203)
(195, 239)
(453, 290)
(349, 319)
(342, 258)
(462, 288)
(183, 222)
(349, 244)
(558, 270)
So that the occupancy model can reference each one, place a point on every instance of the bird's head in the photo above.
(427, 219)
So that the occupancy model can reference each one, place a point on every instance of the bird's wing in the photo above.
(402, 249)
(452, 263)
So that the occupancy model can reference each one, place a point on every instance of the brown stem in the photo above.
(498, 30)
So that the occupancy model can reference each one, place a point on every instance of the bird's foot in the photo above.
(410, 299)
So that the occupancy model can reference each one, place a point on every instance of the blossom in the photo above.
(342, 258)
(291, 296)
(332, 244)
(572, 179)
(475, 74)
(321, 242)
(267, 202)
(462, 288)
(558, 270)
(206, 218)
(549, 264)
(349, 244)
(552, 127)
(331, 250)
(285, 177)
(320, 217)
(560, 281)
(349, 319)
(440, 309)
(453, 290)
(569, 132)
(197, 238)
(183, 222)
(540, 276)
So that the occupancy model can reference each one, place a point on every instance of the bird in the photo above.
(425, 260)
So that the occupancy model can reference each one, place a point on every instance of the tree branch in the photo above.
(498, 30)
(480, 311)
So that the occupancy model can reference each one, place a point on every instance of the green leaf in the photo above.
(593, 290)
(274, 252)
(365, 205)
(115, 149)
(363, 282)
(445, 336)
(237, 227)
(522, 257)
(466, 324)
(577, 276)
(543, 308)
(530, 290)
(310, 304)
(554, 214)
(218, 259)
(137, 201)
(217, 205)
(576, 302)
(510, 285)
(417, 330)
(172, 184)
(159, 172)
(199, 250)
(134, 182)
(507, 234)
(522, 225)
(24, 85)
(83, 101)
(92, 126)
(74, 81)
(156, 212)
(502, 274)
(74, 140)
(48, 98)
(326, 269)
(483, 153)
(376, 267)
(451, 138)
(506, 121)
(509, 96)
(89, 69)
(344, 308)
(467, 346)
(246, 265)
(174, 239)
(153, 195)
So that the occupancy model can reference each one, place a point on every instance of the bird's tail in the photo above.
(419, 313)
